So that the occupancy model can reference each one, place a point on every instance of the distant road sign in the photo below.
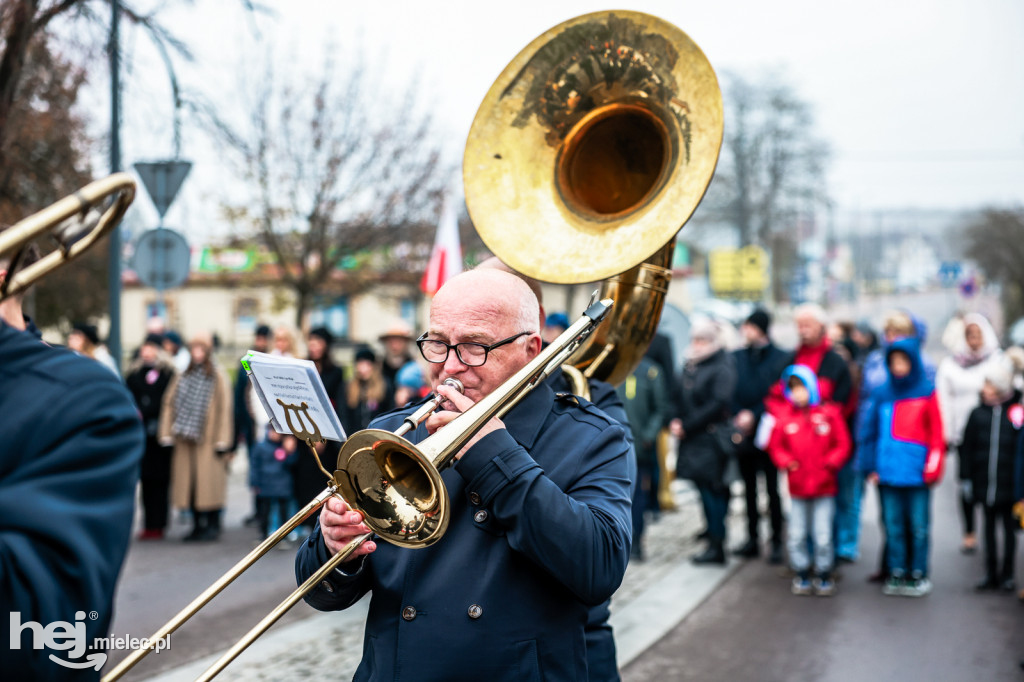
(950, 271)
(163, 180)
(161, 259)
(738, 273)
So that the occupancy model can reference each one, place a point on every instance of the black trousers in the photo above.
(1000, 515)
(753, 461)
(967, 507)
(156, 484)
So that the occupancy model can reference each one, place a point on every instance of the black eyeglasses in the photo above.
(469, 354)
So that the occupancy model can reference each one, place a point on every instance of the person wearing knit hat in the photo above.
(307, 478)
(197, 420)
(988, 452)
(148, 379)
(757, 362)
(760, 319)
(410, 383)
(323, 334)
(84, 339)
(367, 393)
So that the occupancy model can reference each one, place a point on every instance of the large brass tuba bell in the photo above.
(590, 151)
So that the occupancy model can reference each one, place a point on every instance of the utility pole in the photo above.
(114, 243)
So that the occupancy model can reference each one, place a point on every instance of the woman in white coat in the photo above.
(973, 344)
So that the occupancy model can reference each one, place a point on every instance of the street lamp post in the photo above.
(114, 243)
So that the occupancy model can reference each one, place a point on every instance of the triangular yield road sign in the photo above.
(163, 180)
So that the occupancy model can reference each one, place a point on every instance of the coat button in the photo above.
(480, 516)
(409, 612)
(474, 498)
(327, 586)
(475, 611)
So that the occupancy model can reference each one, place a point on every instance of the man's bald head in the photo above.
(494, 263)
(484, 306)
(500, 293)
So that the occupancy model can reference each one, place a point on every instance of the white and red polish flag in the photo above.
(446, 256)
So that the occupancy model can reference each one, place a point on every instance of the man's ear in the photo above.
(534, 345)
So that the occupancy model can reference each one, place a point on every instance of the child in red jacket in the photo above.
(811, 443)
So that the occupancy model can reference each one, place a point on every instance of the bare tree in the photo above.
(334, 173)
(993, 240)
(44, 146)
(771, 170)
(23, 23)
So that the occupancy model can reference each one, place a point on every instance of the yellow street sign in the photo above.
(738, 273)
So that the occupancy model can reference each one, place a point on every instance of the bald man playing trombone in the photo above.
(540, 525)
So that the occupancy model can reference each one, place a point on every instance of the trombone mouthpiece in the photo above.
(414, 419)
(455, 383)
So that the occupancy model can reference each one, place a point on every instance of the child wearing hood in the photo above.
(810, 442)
(903, 449)
(988, 460)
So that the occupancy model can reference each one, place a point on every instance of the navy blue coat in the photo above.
(272, 477)
(555, 538)
(757, 369)
(602, 665)
(70, 444)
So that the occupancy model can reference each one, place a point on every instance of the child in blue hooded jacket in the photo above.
(903, 449)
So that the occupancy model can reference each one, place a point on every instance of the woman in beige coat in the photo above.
(197, 420)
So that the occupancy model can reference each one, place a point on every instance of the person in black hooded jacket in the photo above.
(704, 398)
(988, 462)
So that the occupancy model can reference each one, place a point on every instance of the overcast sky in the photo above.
(921, 100)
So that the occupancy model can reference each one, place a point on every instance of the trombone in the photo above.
(75, 223)
(394, 484)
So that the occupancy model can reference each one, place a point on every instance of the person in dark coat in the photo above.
(988, 461)
(69, 465)
(148, 378)
(309, 481)
(643, 395)
(540, 516)
(244, 426)
(706, 388)
(758, 364)
(659, 351)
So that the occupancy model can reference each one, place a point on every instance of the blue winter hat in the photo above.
(557, 320)
(807, 377)
(174, 337)
(410, 375)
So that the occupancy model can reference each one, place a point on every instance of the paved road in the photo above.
(752, 628)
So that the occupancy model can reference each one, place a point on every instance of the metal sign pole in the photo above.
(161, 180)
(114, 243)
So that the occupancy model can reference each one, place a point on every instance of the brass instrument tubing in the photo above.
(414, 419)
(213, 590)
(282, 608)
